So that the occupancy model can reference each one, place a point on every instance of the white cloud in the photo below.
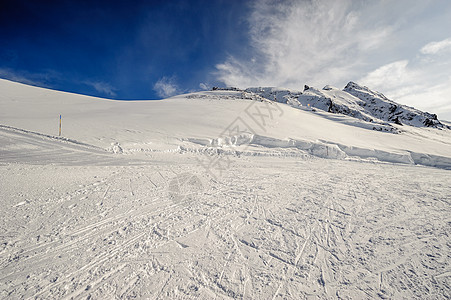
(166, 87)
(102, 87)
(318, 42)
(410, 83)
(203, 86)
(298, 42)
(36, 79)
(390, 76)
(436, 47)
(41, 79)
(434, 99)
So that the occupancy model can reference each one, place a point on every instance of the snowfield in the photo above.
(217, 195)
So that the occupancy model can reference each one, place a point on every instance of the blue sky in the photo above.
(119, 49)
(154, 49)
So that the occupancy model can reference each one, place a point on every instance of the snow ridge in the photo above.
(250, 145)
(378, 105)
(355, 101)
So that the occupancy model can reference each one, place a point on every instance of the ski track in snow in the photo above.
(99, 225)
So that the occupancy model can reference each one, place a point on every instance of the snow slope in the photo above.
(216, 195)
(199, 121)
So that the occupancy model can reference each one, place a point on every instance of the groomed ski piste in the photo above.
(220, 194)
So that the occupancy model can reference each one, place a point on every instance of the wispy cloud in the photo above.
(102, 87)
(203, 86)
(49, 78)
(297, 42)
(436, 47)
(424, 84)
(320, 42)
(391, 76)
(36, 79)
(166, 87)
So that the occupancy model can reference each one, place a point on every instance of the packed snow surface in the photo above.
(220, 194)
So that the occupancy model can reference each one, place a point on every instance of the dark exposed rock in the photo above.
(379, 106)
(356, 101)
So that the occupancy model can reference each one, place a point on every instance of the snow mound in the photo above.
(254, 144)
(115, 148)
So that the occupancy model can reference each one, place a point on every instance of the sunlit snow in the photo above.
(219, 194)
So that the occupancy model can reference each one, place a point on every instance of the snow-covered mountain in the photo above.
(356, 101)
(219, 194)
